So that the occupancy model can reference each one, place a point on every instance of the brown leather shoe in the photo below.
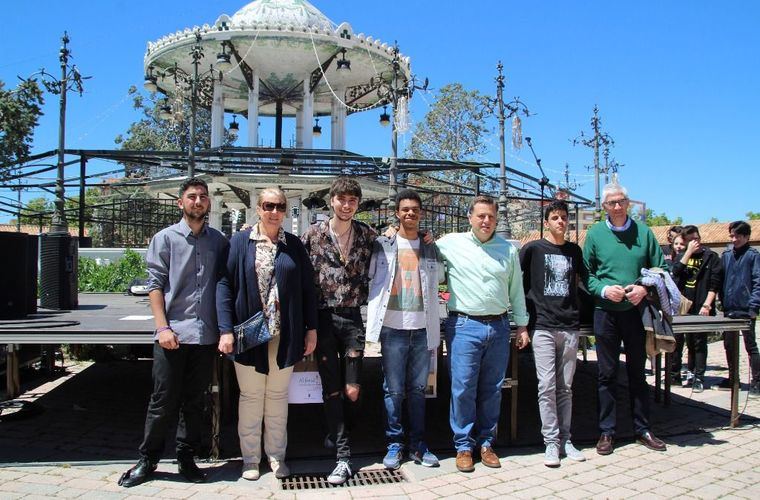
(605, 445)
(464, 461)
(489, 458)
(650, 441)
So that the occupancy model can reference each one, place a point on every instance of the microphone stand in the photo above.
(542, 182)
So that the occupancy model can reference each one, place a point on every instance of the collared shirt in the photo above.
(184, 267)
(339, 284)
(266, 252)
(483, 278)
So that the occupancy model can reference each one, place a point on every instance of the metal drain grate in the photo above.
(361, 478)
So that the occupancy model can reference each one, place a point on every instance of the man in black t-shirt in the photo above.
(551, 269)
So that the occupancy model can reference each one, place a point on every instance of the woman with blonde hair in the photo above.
(268, 270)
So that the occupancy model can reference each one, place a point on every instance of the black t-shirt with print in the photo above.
(550, 279)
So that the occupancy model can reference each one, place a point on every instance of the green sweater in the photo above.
(617, 257)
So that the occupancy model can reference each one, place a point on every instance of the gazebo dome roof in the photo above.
(296, 13)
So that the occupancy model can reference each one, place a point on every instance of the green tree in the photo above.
(20, 110)
(653, 219)
(455, 128)
(753, 215)
(153, 133)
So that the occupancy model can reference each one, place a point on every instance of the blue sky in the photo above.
(676, 82)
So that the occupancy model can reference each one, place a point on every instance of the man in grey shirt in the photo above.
(183, 267)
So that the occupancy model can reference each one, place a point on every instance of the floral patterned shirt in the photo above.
(338, 284)
(270, 298)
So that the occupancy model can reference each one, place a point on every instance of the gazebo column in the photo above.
(217, 115)
(300, 129)
(250, 213)
(215, 215)
(337, 125)
(308, 113)
(253, 112)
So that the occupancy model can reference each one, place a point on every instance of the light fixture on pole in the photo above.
(543, 182)
(234, 129)
(385, 118)
(503, 112)
(223, 59)
(150, 81)
(595, 142)
(343, 64)
(393, 92)
(316, 130)
(70, 79)
(165, 110)
(193, 83)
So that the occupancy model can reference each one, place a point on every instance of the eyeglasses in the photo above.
(612, 203)
(268, 206)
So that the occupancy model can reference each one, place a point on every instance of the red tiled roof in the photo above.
(34, 229)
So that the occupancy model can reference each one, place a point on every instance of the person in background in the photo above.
(698, 272)
(741, 297)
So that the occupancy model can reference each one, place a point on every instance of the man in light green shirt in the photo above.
(484, 279)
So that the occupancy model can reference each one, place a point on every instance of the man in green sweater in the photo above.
(615, 252)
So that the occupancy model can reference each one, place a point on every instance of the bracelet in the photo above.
(706, 305)
(162, 329)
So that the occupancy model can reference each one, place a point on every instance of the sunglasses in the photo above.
(268, 206)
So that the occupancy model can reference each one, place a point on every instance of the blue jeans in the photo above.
(406, 363)
(477, 354)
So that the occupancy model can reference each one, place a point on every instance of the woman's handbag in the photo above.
(251, 333)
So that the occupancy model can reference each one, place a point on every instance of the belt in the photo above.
(484, 318)
(341, 310)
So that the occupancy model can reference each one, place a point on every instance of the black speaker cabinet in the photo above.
(58, 271)
(18, 292)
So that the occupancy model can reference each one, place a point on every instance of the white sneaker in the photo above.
(341, 473)
(551, 455)
(251, 472)
(279, 468)
(572, 452)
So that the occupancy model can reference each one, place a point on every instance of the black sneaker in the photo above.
(697, 386)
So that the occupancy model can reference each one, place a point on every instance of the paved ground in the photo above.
(67, 452)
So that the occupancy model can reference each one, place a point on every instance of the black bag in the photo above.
(251, 333)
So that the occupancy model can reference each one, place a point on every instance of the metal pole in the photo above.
(82, 174)
(193, 112)
(502, 227)
(597, 199)
(59, 224)
(278, 124)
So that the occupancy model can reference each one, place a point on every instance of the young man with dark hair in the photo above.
(403, 314)
(184, 265)
(484, 280)
(340, 250)
(699, 275)
(741, 297)
(551, 268)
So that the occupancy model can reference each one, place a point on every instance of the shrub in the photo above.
(113, 277)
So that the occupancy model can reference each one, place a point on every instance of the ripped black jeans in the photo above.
(340, 352)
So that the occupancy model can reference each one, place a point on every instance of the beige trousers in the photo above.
(263, 397)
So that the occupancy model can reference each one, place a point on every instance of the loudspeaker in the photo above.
(58, 271)
(18, 294)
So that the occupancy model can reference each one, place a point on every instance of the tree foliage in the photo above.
(152, 133)
(753, 215)
(113, 277)
(653, 219)
(454, 128)
(20, 110)
(38, 211)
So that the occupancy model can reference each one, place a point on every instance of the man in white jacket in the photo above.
(404, 315)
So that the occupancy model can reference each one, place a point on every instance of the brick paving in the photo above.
(705, 459)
